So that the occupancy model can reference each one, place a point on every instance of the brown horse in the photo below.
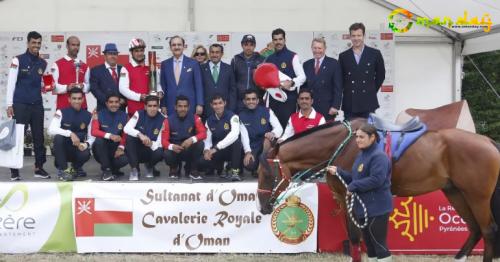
(465, 166)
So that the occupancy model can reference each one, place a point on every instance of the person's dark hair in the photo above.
(75, 90)
(174, 37)
(113, 94)
(306, 90)
(217, 96)
(370, 130)
(251, 91)
(152, 98)
(217, 45)
(278, 31)
(357, 26)
(34, 35)
(181, 98)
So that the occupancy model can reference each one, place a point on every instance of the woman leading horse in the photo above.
(465, 166)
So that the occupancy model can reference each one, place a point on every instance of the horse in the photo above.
(464, 165)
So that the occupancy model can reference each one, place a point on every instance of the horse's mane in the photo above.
(312, 130)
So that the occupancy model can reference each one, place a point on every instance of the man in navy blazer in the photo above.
(218, 79)
(324, 79)
(104, 78)
(181, 75)
(363, 73)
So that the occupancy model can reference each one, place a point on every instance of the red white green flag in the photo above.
(103, 217)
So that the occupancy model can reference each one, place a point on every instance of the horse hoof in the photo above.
(462, 259)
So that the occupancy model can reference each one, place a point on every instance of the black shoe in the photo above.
(80, 172)
(65, 175)
(117, 173)
(41, 173)
(14, 175)
(156, 172)
(173, 173)
(107, 176)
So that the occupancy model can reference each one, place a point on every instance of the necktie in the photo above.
(215, 73)
(113, 74)
(316, 67)
(177, 71)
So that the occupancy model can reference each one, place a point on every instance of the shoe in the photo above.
(149, 172)
(195, 176)
(173, 173)
(79, 172)
(134, 175)
(117, 173)
(65, 175)
(14, 175)
(41, 173)
(156, 172)
(107, 175)
(234, 175)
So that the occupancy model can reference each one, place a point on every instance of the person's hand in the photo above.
(123, 101)
(164, 110)
(10, 111)
(74, 139)
(119, 152)
(207, 154)
(160, 95)
(248, 157)
(115, 138)
(333, 111)
(287, 84)
(199, 110)
(348, 193)
(187, 143)
(331, 170)
(177, 148)
(145, 140)
(269, 135)
(82, 146)
(71, 86)
(143, 97)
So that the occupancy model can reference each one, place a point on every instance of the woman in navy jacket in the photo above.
(370, 178)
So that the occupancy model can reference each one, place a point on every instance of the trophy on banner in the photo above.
(48, 83)
(152, 73)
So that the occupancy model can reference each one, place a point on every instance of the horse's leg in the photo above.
(458, 201)
(354, 235)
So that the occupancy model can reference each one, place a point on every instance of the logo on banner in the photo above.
(17, 188)
(94, 56)
(412, 218)
(103, 217)
(292, 222)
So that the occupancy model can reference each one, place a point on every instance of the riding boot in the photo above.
(385, 259)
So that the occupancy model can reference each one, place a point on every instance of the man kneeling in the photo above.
(182, 139)
(72, 138)
(143, 143)
(109, 146)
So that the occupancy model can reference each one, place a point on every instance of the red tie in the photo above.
(316, 67)
(113, 74)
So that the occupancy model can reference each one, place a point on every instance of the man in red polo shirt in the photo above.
(70, 72)
(134, 78)
(305, 119)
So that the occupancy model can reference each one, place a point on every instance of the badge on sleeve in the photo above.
(120, 126)
(360, 168)
(13, 66)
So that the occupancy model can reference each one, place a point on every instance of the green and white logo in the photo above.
(292, 222)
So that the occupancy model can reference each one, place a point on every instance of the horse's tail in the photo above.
(271, 152)
(495, 209)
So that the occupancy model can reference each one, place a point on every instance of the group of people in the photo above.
(202, 114)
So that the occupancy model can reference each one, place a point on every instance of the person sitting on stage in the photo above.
(72, 138)
(109, 146)
(182, 139)
(222, 142)
(259, 125)
(306, 118)
(143, 143)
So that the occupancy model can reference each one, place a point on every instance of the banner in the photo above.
(184, 218)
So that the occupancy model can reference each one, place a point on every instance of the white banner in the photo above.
(199, 218)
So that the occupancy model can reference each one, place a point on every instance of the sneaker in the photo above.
(173, 173)
(14, 175)
(65, 175)
(234, 175)
(195, 176)
(80, 173)
(134, 175)
(107, 175)
(41, 173)
(149, 173)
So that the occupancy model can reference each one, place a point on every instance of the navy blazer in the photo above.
(326, 85)
(102, 84)
(362, 81)
(225, 86)
(190, 83)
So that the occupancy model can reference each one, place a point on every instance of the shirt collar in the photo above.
(320, 60)
(133, 63)
(69, 58)
(312, 115)
(180, 59)
(362, 49)
(212, 64)
(108, 66)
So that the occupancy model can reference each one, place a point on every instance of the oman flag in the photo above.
(104, 217)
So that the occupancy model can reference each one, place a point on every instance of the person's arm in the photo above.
(233, 92)
(165, 136)
(380, 70)
(379, 168)
(129, 128)
(55, 126)
(346, 176)
(123, 141)
(275, 123)
(96, 128)
(86, 85)
(163, 84)
(59, 89)
(245, 140)
(157, 143)
(95, 88)
(124, 86)
(232, 135)
(321, 121)
(90, 138)
(12, 80)
(337, 86)
(300, 77)
(208, 140)
(201, 131)
(289, 131)
(198, 85)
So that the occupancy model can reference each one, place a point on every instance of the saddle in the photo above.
(396, 139)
